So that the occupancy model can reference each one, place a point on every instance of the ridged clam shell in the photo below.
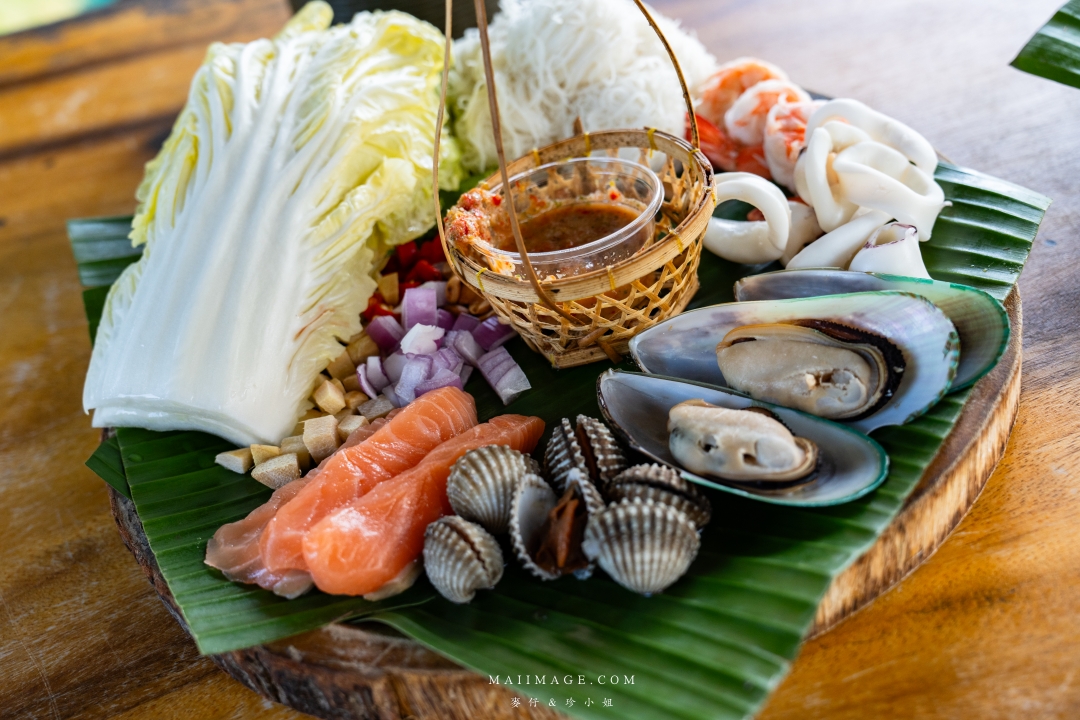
(657, 475)
(460, 558)
(610, 460)
(565, 453)
(481, 484)
(697, 508)
(594, 505)
(644, 546)
(533, 500)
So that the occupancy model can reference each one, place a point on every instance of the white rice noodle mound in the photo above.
(556, 60)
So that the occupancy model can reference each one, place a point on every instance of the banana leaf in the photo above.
(1054, 51)
(715, 644)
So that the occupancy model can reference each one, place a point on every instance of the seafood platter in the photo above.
(386, 415)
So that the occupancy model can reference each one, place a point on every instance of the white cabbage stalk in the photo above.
(295, 163)
(556, 60)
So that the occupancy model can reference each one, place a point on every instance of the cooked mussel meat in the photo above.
(738, 445)
(817, 366)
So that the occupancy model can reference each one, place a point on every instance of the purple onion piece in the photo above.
(392, 366)
(386, 332)
(512, 385)
(365, 384)
(442, 378)
(375, 374)
(417, 369)
(447, 359)
(389, 394)
(465, 321)
(466, 346)
(419, 307)
(444, 319)
(439, 286)
(503, 375)
(421, 340)
(491, 333)
(465, 372)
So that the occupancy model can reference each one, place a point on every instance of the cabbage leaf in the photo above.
(295, 164)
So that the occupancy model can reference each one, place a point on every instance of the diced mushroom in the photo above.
(277, 471)
(320, 437)
(355, 399)
(361, 348)
(388, 288)
(350, 383)
(342, 366)
(262, 453)
(329, 397)
(350, 425)
(295, 444)
(376, 408)
(239, 461)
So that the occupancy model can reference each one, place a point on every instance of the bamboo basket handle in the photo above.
(489, 76)
(695, 138)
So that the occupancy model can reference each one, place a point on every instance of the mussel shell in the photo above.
(644, 546)
(684, 347)
(481, 484)
(981, 322)
(636, 407)
(460, 558)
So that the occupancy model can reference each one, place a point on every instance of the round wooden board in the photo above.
(371, 672)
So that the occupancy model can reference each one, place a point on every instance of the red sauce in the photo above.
(572, 225)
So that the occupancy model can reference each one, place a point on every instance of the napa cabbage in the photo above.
(295, 164)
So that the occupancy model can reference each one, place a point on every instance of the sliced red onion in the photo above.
(417, 369)
(466, 346)
(389, 394)
(419, 306)
(421, 340)
(375, 374)
(513, 385)
(365, 384)
(465, 372)
(465, 321)
(504, 375)
(442, 378)
(447, 359)
(491, 333)
(386, 332)
(444, 319)
(392, 366)
(439, 286)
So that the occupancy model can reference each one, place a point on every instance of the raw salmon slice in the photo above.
(429, 420)
(368, 542)
(234, 549)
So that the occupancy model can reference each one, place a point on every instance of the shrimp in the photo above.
(745, 120)
(785, 137)
(726, 154)
(731, 80)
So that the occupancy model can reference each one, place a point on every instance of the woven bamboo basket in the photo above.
(592, 316)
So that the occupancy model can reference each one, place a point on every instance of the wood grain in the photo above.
(986, 628)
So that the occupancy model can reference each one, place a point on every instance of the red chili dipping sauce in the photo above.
(570, 226)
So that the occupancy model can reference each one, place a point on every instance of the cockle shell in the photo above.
(460, 558)
(664, 485)
(588, 446)
(534, 503)
(481, 484)
(644, 546)
(533, 500)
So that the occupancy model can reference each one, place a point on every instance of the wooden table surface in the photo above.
(987, 628)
